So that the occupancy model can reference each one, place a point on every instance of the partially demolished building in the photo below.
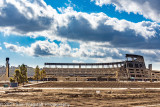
(132, 69)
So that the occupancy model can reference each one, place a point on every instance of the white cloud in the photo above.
(101, 28)
(46, 48)
(72, 25)
(23, 17)
(0, 48)
(147, 8)
(108, 60)
(18, 49)
(95, 50)
(101, 38)
(77, 61)
(41, 48)
(100, 52)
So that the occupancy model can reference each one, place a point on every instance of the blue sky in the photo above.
(37, 31)
(90, 7)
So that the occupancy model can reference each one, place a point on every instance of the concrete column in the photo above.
(112, 65)
(132, 59)
(150, 67)
(117, 65)
(120, 65)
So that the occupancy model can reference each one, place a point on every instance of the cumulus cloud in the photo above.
(101, 38)
(95, 50)
(41, 48)
(23, 17)
(0, 48)
(101, 52)
(148, 8)
(101, 28)
(26, 16)
(105, 53)
(46, 48)
(19, 49)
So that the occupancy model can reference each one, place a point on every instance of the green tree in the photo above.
(23, 70)
(18, 76)
(37, 73)
(12, 80)
(42, 74)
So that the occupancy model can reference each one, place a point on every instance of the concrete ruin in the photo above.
(132, 69)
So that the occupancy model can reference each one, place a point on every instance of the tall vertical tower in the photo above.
(7, 67)
(150, 66)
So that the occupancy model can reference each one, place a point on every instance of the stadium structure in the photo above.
(132, 69)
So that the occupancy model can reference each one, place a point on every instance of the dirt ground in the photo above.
(100, 84)
(84, 98)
